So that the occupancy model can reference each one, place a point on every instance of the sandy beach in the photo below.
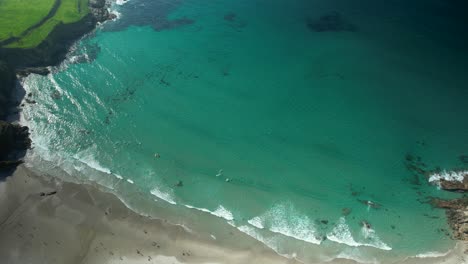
(81, 224)
(45, 220)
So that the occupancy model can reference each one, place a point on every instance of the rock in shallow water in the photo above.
(457, 215)
(455, 186)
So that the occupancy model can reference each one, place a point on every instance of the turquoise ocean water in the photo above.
(240, 113)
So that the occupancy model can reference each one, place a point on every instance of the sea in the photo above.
(310, 126)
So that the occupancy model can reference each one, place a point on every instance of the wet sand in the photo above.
(82, 224)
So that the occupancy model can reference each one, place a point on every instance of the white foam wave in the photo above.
(117, 14)
(198, 208)
(118, 176)
(130, 181)
(221, 211)
(432, 254)
(156, 191)
(376, 242)
(284, 219)
(257, 222)
(92, 163)
(224, 213)
(448, 176)
(121, 2)
(342, 234)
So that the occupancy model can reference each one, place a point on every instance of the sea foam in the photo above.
(220, 211)
(156, 191)
(432, 254)
(257, 222)
(342, 234)
(121, 2)
(448, 176)
(284, 219)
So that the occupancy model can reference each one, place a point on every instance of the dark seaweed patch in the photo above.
(463, 159)
(332, 22)
(153, 13)
(235, 23)
(230, 17)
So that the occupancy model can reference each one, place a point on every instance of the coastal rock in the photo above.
(100, 14)
(36, 70)
(455, 186)
(13, 137)
(97, 3)
(457, 215)
(7, 84)
(9, 164)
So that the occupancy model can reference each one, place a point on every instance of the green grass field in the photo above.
(18, 16)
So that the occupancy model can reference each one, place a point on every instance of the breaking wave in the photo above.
(448, 176)
(221, 211)
(156, 191)
(342, 234)
(285, 220)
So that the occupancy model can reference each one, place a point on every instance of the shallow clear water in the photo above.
(239, 109)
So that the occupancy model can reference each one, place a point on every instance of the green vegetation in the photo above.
(18, 15)
(31, 21)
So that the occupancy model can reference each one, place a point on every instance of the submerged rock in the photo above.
(330, 22)
(345, 211)
(366, 224)
(463, 159)
(230, 16)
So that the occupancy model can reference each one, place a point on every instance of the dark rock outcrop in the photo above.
(13, 137)
(97, 3)
(7, 84)
(457, 215)
(9, 164)
(455, 186)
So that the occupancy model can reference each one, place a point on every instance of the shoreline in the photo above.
(78, 223)
(19, 62)
(46, 218)
(87, 203)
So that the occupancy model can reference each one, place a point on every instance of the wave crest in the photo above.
(342, 234)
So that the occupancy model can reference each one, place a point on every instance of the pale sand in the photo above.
(81, 224)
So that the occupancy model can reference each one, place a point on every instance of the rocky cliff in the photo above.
(15, 138)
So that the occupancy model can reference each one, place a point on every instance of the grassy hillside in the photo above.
(17, 16)
(31, 21)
